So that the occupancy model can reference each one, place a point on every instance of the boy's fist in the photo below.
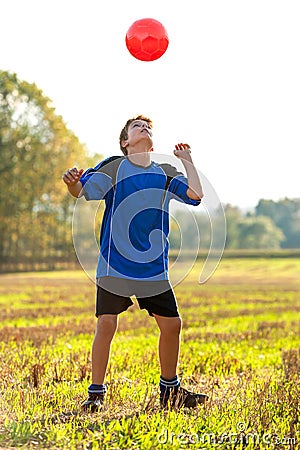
(183, 151)
(72, 176)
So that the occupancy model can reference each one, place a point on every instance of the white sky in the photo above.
(229, 83)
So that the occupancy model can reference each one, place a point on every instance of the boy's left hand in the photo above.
(183, 151)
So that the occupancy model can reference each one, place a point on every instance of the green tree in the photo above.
(233, 218)
(258, 232)
(250, 231)
(286, 216)
(36, 148)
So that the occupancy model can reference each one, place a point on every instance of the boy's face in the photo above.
(139, 131)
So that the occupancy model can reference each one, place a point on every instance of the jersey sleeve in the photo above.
(178, 188)
(96, 183)
(178, 185)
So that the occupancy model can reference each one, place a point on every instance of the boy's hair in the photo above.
(124, 132)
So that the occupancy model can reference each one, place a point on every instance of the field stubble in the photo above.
(240, 344)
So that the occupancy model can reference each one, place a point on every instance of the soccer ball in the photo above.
(147, 39)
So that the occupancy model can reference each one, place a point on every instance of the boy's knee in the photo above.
(107, 323)
(171, 325)
(177, 325)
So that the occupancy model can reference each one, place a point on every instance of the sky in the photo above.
(228, 84)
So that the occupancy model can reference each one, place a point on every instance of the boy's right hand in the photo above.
(72, 176)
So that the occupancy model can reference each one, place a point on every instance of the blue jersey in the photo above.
(135, 226)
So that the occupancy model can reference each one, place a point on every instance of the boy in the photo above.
(133, 257)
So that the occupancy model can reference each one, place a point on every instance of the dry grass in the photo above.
(240, 344)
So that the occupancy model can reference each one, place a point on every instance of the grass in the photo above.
(240, 344)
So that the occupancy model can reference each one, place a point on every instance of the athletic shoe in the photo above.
(182, 398)
(93, 403)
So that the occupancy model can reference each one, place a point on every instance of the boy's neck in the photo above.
(140, 158)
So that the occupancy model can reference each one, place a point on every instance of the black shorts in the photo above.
(113, 296)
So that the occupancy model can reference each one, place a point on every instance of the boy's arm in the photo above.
(194, 191)
(71, 178)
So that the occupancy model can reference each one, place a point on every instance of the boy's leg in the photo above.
(105, 330)
(169, 344)
(108, 306)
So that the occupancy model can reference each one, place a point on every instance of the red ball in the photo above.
(147, 39)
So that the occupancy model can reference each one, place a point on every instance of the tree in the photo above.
(259, 232)
(286, 216)
(250, 231)
(233, 218)
(36, 148)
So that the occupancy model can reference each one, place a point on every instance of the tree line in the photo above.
(36, 210)
(271, 225)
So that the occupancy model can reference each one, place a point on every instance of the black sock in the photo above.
(168, 386)
(97, 389)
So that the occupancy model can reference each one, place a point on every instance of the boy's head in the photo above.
(124, 132)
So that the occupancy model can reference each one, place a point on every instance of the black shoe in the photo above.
(182, 398)
(93, 403)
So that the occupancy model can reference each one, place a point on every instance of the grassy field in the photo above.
(240, 345)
